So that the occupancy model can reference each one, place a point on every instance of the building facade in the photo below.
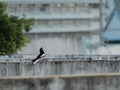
(61, 26)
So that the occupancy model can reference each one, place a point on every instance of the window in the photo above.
(31, 7)
(26, 8)
(57, 8)
(55, 23)
(82, 22)
(95, 5)
(67, 8)
(41, 23)
(81, 8)
(68, 22)
(43, 7)
(12, 8)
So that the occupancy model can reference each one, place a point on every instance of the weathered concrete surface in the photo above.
(58, 67)
(80, 82)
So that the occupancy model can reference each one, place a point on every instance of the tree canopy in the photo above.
(11, 31)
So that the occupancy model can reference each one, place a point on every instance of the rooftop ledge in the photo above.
(59, 58)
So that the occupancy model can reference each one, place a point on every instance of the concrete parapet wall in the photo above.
(58, 66)
(71, 82)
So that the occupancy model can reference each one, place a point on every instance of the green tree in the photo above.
(11, 31)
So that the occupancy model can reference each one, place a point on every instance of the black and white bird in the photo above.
(42, 54)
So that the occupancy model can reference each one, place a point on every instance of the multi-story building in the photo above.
(112, 30)
(61, 26)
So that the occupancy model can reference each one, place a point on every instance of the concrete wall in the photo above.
(85, 82)
(58, 66)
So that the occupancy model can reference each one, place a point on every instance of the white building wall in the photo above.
(59, 25)
(105, 50)
(54, 44)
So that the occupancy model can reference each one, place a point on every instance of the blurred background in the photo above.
(70, 26)
(82, 36)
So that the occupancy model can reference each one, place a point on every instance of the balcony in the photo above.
(51, 1)
(66, 29)
(73, 15)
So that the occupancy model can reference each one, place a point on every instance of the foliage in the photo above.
(11, 31)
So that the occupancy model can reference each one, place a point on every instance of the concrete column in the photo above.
(84, 45)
